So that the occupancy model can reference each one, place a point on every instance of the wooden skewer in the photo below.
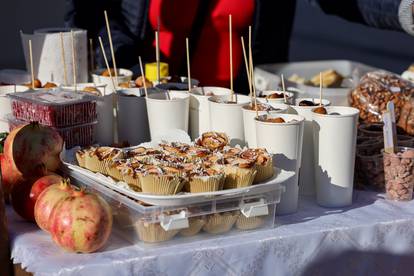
(91, 55)
(252, 81)
(62, 48)
(73, 60)
(188, 65)
(284, 88)
(111, 46)
(31, 62)
(250, 54)
(247, 68)
(143, 76)
(320, 88)
(114, 96)
(157, 55)
(231, 57)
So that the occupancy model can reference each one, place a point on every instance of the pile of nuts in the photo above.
(399, 175)
(375, 90)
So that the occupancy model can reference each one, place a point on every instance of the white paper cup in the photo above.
(306, 173)
(289, 97)
(284, 141)
(228, 117)
(5, 103)
(200, 110)
(124, 75)
(334, 146)
(164, 114)
(250, 125)
(133, 119)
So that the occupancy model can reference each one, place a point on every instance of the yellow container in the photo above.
(151, 70)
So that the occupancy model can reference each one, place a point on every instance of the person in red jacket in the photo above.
(133, 23)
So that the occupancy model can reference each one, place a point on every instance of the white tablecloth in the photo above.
(372, 237)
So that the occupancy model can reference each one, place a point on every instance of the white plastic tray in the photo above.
(181, 198)
(267, 77)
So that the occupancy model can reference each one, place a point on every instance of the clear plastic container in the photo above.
(79, 135)
(143, 224)
(399, 174)
(55, 107)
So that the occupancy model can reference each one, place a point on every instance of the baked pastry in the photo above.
(239, 173)
(244, 223)
(330, 78)
(158, 181)
(195, 226)
(220, 222)
(153, 232)
(81, 156)
(99, 159)
(205, 180)
(213, 140)
(263, 161)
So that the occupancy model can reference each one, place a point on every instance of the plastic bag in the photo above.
(375, 90)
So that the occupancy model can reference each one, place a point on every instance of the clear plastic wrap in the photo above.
(56, 107)
(375, 90)
(79, 135)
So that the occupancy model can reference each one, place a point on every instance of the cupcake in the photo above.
(220, 222)
(195, 226)
(157, 181)
(239, 173)
(213, 140)
(195, 153)
(116, 167)
(130, 174)
(178, 149)
(205, 180)
(99, 159)
(81, 156)
(263, 162)
(244, 223)
(153, 232)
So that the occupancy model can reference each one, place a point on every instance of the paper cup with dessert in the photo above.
(304, 108)
(102, 77)
(200, 110)
(275, 96)
(282, 136)
(226, 116)
(334, 138)
(249, 113)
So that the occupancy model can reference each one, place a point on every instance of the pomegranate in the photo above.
(24, 195)
(20, 199)
(42, 183)
(30, 148)
(47, 201)
(81, 223)
(8, 176)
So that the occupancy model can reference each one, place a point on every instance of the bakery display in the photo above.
(208, 165)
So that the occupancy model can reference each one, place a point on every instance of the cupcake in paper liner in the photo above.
(263, 161)
(244, 223)
(205, 180)
(220, 223)
(142, 153)
(131, 174)
(100, 159)
(213, 140)
(175, 148)
(116, 167)
(195, 226)
(153, 232)
(159, 183)
(81, 156)
(240, 173)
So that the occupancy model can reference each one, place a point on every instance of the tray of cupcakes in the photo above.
(180, 173)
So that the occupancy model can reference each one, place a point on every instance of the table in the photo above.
(372, 237)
